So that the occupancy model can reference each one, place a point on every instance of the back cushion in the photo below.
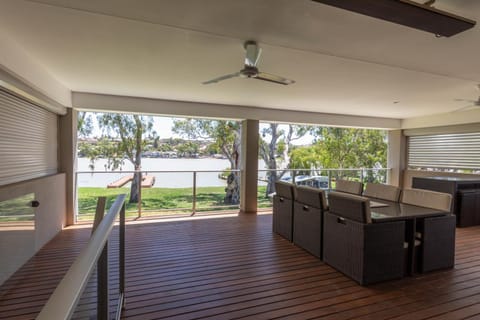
(353, 187)
(350, 206)
(285, 189)
(426, 198)
(382, 191)
(312, 197)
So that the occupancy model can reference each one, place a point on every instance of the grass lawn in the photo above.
(161, 199)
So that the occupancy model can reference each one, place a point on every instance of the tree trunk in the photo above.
(137, 177)
(232, 191)
(271, 179)
(271, 161)
(134, 190)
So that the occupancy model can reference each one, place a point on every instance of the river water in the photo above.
(101, 177)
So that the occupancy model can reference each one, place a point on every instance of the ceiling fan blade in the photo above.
(273, 78)
(225, 77)
(252, 55)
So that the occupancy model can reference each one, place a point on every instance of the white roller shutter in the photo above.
(449, 151)
(28, 140)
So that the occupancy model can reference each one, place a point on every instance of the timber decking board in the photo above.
(236, 268)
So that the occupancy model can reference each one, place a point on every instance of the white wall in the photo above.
(19, 245)
(17, 62)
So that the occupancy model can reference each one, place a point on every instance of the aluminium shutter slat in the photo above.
(28, 140)
(455, 151)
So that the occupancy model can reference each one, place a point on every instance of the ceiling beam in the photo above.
(160, 107)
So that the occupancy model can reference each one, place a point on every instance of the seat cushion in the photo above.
(382, 191)
(350, 206)
(428, 199)
(353, 187)
(312, 197)
(285, 189)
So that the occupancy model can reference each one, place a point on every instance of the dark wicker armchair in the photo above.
(283, 209)
(309, 206)
(366, 252)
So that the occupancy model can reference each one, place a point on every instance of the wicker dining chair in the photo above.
(308, 208)
(283, 209)
(436, 235)
(366, 252)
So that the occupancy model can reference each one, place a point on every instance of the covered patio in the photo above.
(235, 267)
(340, 69)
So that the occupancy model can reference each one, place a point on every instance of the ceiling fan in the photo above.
(473, 103)
(250, 69)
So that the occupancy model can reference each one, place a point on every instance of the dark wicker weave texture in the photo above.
(308, 220)
(283, 209)
(438, 243)
(367, 253)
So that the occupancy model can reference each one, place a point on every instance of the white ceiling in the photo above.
(342, 62)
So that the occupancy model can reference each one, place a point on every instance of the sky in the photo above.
(163, 126)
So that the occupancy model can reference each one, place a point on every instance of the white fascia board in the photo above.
(115, 103)
(443, 119)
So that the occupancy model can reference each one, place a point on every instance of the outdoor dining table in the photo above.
(386, 211)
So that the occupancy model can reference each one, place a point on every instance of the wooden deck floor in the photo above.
(232, 268)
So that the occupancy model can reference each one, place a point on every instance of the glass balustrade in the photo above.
(187, 193)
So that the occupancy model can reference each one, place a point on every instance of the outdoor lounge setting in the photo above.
(340, 151)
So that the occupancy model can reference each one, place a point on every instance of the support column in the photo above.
(67, 149)
(249, 167)
(396, 157)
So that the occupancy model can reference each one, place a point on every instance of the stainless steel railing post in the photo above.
(121, 263)
(139, 186)
(102, 285)
(329, 179)
(194, 191)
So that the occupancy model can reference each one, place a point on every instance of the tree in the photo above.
(84, 124)
(305, 157)
(128, 135)
(341, 148)
(225, 137)
(275, 144)
(188, 149)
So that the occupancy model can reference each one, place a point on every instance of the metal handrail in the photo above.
(325, 169)
(64, 299)
(160, 171)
